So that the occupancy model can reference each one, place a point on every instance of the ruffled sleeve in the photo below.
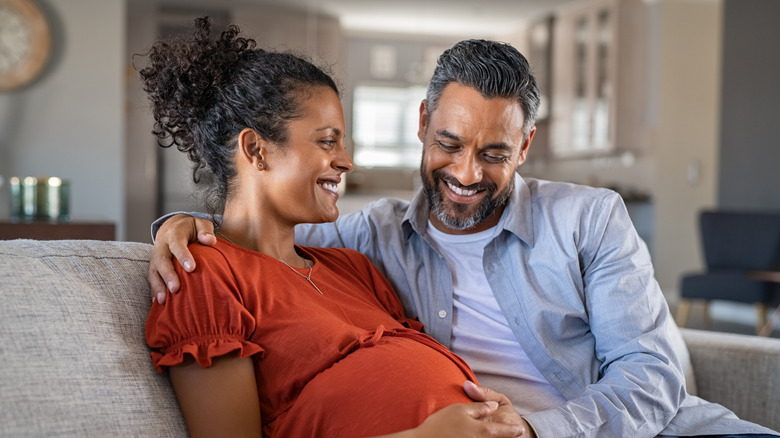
(205, 319)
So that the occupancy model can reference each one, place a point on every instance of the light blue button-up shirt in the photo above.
(577, 287)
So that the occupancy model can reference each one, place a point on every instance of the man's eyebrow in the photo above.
(448, 134)
(499, 145)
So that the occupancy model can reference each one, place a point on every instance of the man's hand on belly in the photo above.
(505, 413)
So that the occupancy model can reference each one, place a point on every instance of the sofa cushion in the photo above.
(741, 372)
(72, 317)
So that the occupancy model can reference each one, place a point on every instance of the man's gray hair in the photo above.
(494, 69)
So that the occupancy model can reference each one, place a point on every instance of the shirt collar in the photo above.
(416, 217)
(517, 217)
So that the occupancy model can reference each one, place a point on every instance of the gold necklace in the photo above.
(307, 277)
(305, 262)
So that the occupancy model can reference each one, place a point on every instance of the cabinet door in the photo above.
(584, 80)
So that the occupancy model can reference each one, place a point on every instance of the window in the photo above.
(583, 110)
(385, 121)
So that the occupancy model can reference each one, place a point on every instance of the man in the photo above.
(544, 288)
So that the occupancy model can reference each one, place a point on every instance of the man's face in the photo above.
(471, 149)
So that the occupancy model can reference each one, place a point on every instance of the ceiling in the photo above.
(484, 18)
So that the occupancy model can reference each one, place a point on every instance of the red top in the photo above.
(344, 363)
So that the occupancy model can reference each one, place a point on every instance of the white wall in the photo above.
(71, 123)
(686, 137)
(750, 132)
(140, 156)
(680, 101)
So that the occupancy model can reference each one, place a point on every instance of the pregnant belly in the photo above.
(389, 383)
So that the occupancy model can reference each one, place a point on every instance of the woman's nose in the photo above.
(343, 161)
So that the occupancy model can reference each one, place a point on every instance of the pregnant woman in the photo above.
(268, 337)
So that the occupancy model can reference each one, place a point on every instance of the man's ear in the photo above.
(251, 147)
(526, 146)
(423, 120)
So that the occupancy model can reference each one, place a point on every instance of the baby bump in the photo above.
(387, 384)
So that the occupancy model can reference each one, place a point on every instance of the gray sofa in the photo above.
(73, 360)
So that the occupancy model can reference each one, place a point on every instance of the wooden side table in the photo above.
(45, 230)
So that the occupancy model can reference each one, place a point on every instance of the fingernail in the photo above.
(187, 265)
(170, 286)
(160, 297)
(492, 404)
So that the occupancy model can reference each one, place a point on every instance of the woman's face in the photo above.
(303, 175)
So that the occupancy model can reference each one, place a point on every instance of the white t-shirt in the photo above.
(480, 332)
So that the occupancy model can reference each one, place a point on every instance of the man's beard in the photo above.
(455, 215)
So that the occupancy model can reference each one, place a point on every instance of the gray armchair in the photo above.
(738, 246)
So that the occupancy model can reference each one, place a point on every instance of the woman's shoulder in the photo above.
(337, 253)
(210, 252)
(337, 258)
(224, 256)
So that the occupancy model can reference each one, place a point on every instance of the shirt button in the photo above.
(442, 314)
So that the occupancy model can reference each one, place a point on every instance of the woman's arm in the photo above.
(220, 400)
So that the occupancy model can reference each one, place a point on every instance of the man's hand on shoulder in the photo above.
(171, 241)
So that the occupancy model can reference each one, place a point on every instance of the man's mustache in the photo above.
(443, 176)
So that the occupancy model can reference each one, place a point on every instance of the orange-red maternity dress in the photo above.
(344, 363)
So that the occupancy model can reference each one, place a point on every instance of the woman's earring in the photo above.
(260, 166)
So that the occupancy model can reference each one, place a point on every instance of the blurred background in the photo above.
(673, 103)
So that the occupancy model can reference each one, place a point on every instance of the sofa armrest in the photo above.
(740, 372)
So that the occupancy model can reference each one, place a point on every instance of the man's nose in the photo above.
(467, 170)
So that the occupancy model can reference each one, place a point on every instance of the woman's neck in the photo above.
(258, 232)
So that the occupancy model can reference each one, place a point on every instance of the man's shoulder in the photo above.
(540, 188)
(556, 195)
(556, 200)
(387, 205)
(383, 211)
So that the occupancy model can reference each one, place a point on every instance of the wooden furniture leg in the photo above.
(707, 319)
(683, 310)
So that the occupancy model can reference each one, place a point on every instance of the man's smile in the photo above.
(460, 191)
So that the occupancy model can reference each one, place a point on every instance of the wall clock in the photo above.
(25, 43)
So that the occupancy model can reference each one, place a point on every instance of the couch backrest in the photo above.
(73, 358)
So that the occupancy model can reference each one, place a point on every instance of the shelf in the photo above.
(44, 230)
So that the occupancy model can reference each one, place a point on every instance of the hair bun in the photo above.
(184, 76)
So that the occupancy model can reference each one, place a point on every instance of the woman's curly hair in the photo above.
(205, 90)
